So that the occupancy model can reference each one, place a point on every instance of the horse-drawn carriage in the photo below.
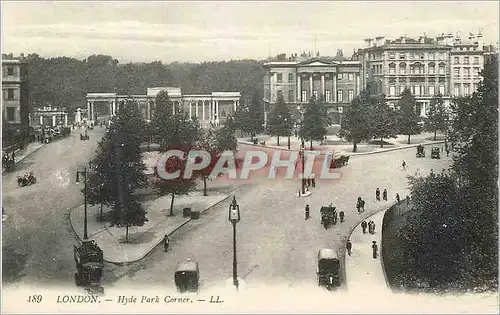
(26, 180)
(84, 137)
(339, 160)
(435, 153)
(328, 216)
(420, 151)
(89, 264)
(328, 268)
(187, 276)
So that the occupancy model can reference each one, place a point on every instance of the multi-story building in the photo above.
(15, 93)
(334, 80)
(391, 66)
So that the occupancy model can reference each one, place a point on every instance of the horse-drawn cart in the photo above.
(328, 216)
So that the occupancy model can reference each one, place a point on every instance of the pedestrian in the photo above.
(374, 249)
(307, 212)
(370, 227)
(377, 194)
(404, 165)
(398, 199)
(363, 226)
(166, 242)
(358, 205)
(362, 205)
(384, 195)
(348, 246)
(341, 215)
(373, 228)
(313, 182)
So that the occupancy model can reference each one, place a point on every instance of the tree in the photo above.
(279, 123)
(356, 125)
(407, 115)
(99, 178)
(383, 120)
(249, 119)
(313, 125)
(438, 117)
(122, 168)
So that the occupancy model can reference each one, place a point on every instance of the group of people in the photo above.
(348, 247)
(8, 160)
(360, 205)
(384, 194)
(370, 225)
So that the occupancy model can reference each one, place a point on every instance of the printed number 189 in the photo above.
(35, 298)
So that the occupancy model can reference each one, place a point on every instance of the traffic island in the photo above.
(303, 195)
(141, 239)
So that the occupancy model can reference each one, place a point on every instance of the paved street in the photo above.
(276, 246)
(37, 237)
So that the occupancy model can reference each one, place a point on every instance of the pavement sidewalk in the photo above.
(30, 148)
(142, 239)
(364, 273)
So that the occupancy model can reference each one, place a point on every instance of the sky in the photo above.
(212, 31)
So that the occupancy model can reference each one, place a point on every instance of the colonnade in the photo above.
(54, 119)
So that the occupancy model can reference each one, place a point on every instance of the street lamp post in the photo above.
(84, 174)
(302, 149)
(286, 128)
(234, 217)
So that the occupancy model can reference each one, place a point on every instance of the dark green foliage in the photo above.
(250, 118)
(382, 119)
(356, 124)
(437, 118)
(280, 120)
(407, 115)
(313, 127)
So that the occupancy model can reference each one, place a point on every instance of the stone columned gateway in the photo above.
(209, 108)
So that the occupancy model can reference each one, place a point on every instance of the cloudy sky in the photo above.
(205, 31)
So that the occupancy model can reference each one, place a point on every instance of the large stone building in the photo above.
(208, 108)
(335, 80)
(15, 92)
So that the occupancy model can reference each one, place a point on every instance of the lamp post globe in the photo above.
(234, 217)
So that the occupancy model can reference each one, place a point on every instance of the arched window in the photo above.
(392, 68)
(402, 68)
(417, 66)
(442, 67)
(432, 67)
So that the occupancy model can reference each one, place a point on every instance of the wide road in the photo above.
(37, 236)
(276, 246)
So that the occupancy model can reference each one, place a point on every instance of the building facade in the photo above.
(210, 109)
(335, 82)
(422, 66)
(15, 92)
(49, 116)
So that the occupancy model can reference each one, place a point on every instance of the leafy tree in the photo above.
(225, 139)
(250, 119)
(356, 125)
(313, 125)
(383, 119)
(438, 117)
(407, 116)
(279, 123)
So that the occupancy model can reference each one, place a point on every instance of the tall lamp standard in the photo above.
(234, 217)
(302, 149)
(286, 127)
(84, 174)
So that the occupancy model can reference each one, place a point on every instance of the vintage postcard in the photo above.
(249, 157)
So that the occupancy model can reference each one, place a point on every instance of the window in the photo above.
(417, 89)
(350, 95)
(339, 96)
(466, 89)
(441, 69)
(341, 76)
(412, 89)
(279, 94)
(456, 90)
(291, 97)
(392, 69)
(10, 94)
(279, 77)
(457, 60)
(328, 96)
(402, 68)
(476, 60)
(392, 55)
(401, 89)
(304, 96)
(290, 77)
(456, 72)
(315, 93)
(466, 60)
(11, 113)
(476, 72)
(392, 90)
(351, 77)
(431, 68)
(402, 56)
(467, 72)
(10, 71)
(431, 90)
(441, 89)
(341, 109)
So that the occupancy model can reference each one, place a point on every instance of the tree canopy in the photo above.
(437, 118)
(356, 123)
(280, 121)
(407, 116)
(313, 125)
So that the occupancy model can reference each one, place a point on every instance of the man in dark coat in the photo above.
(374, 249)
(166, 242)
(398, 199)
(307, 212)
(362, 205)
(384, 195)
(363, 226)
(358, 205)
(377, 194)
(348, 246)
(313, 182)
(341, 215)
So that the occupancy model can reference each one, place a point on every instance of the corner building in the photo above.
(297, 79)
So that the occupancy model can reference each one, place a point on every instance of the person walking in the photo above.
(374, 249)
(363, 226)
(362, 205)
(384, 195)
(377, 194)
(398, 199)
(166, 242)
(348, 246)
(341, 215)
(372, 228)
(358, 205)
(313, 182)
(307, 212)
(404, 165)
